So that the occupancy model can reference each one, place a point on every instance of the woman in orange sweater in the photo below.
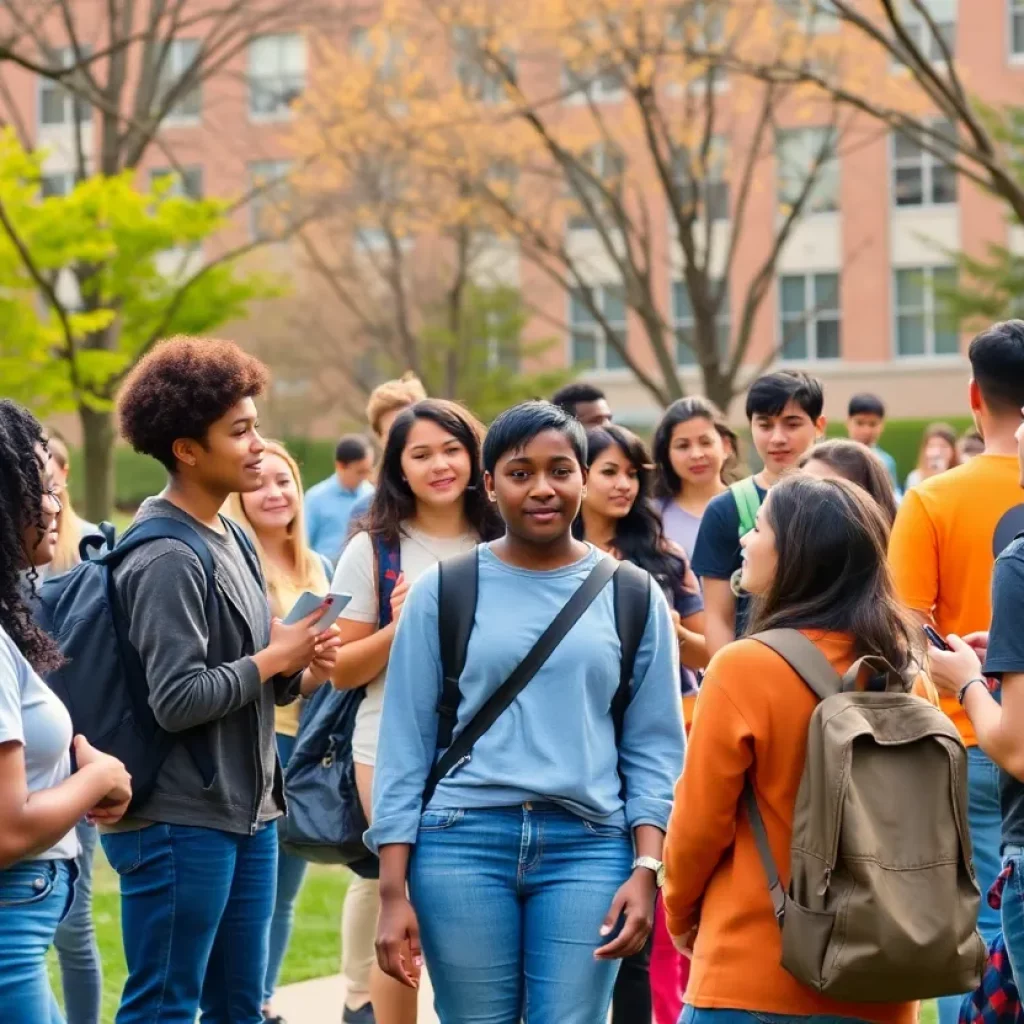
(816, 561)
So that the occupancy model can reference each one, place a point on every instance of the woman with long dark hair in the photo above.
(815, 562)
(429, 505)
(533, 867)
(695, 456)
(41, 801)
(618, 517)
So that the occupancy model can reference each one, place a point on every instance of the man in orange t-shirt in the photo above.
(944, 543)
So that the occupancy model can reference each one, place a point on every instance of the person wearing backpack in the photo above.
(273, 519)
(618, 517)
(784, 410)
(429, 505)
(41, 799)
(532, 848)
(197, 857)
(815, 809)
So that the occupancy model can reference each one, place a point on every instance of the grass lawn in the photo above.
(313, 953)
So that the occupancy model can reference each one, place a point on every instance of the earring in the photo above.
(584, 492)
(493, 496)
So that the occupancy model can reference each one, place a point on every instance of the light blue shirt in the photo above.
(556, 741)
(890, 464)
(328, 511)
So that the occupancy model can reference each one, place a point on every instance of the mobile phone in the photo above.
(935, 639)
(308, 602)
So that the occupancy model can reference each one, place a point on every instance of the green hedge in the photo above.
(137, 476)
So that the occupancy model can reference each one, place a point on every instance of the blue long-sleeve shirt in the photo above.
(557, 739)
(329, 508)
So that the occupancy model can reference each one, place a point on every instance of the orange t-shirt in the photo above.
(944, 544)
(752, 715)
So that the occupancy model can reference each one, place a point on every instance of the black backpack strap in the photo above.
(632, 587)
(545, 646)
(456, 610)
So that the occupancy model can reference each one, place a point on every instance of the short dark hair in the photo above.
(997, 361)
(515, 428)
(866, 404)
(351, 448)
(572, 396)
(181, 388)
(770, 394)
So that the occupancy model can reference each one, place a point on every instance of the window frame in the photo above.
(281, 111)
(279, 177)
(481, 84)
(811, 316)
(1014, 9)
(67, 177)
(717, 159)
(916, 24)
(601, 347)
(677, 286)
(71, 101)
(810, 210)
(180, 188)
(172, 72)
(928, 163)
(928, 310)
(580, 220)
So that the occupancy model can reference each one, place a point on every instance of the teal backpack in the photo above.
(748, 501)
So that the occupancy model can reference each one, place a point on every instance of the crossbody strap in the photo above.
(545, 646)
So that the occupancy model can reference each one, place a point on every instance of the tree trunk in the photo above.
(98, 437)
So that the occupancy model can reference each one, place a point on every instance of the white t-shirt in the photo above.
(356, 575)
(31, 714)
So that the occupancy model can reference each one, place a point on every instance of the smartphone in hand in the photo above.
(935, 639)
(308, 602)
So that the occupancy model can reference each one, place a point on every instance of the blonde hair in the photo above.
(393, 396)
(69, 532)
(308, 572)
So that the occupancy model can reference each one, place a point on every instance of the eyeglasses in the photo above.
(54, 496)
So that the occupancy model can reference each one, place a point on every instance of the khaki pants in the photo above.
(358, 932)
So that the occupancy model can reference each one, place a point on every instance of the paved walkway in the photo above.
(320, 1001)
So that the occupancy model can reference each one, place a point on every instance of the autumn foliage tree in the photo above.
(608, 141)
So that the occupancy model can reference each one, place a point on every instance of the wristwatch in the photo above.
(651, 864)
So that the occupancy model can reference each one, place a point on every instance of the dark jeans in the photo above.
(631, 999)
(196, 905)
(81, 973)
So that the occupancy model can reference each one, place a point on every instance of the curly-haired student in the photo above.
(198, 859)
(40, 799)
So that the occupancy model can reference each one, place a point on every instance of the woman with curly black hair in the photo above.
(40, 799)
(198, 857)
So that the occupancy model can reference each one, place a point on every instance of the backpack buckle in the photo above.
(778, 895)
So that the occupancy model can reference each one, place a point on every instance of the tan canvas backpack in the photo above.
(882, 904)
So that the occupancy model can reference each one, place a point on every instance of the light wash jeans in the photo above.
(694, 1016)
(510, 904)
(80, 969)
(291, 870)
(34, 897)
(1013, 912)
(985, 817)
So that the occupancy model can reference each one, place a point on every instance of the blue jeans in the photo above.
(1013, 911)
(195, 919)
(695, 1016)
(290, 872)
(510, 903)
(985, 816)
(79, 955)
(34, 897)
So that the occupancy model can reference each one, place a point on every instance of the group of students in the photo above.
(526, 874)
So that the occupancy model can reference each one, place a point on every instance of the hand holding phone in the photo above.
(332, 604)
(935, 639)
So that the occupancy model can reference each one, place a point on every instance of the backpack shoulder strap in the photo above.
(805, 659)
(388, 564)
(632, 595)
(456, 609)
(247, 547)
(748, 501)
(163, 528)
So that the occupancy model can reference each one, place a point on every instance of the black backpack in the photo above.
(325, 822)
(102, 682)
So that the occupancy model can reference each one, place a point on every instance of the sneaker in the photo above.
(364, 1015)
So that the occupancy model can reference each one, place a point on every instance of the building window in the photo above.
(187, 183)
(803, 153)
(588, 79)
(812, 17)
(365, 44)
(919, 177)
(479, 81)
(277, 74)
(604, 162)
(268, 207)
(56, 104)
(943, 13)
(590, 348)
(923, 326)
(684, 324)
(56, 183)
(811, 317)
(1016, 27)
(180, 60)
(711, 189)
